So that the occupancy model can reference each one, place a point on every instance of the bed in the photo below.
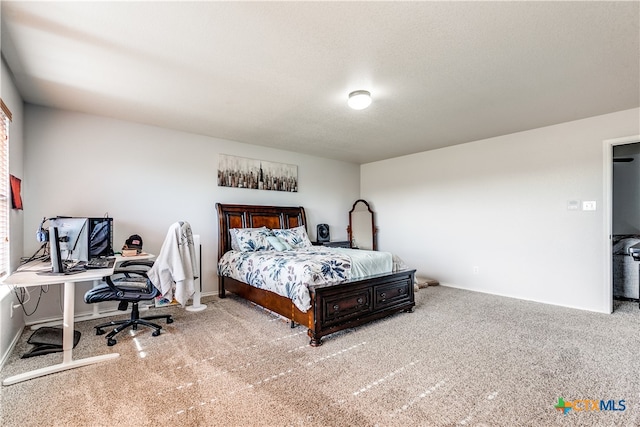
(332, 308)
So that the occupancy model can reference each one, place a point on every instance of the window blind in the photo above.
(5, 196)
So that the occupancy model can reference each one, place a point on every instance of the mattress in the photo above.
(292, 273)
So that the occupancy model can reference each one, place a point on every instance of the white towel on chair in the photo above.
(176, 264)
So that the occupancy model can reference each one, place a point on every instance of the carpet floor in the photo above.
(460, 359)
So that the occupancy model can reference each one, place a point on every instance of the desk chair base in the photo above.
(133, 322)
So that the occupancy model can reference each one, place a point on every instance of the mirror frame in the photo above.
(374, 229)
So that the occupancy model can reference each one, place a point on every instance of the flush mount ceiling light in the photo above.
(359, 99)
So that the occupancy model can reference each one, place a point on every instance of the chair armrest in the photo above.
(135, 267)
(119, 281)
(141, 262)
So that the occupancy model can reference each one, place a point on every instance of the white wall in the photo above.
(501, 205)
(11, 326)
(147, 178)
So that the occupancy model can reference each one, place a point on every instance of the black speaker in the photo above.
(323, 233)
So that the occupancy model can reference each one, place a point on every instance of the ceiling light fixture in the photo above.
(359, 99)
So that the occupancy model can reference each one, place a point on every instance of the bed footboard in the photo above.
(336, 307)
(360, 301)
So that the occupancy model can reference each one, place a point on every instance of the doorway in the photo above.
(622, 216)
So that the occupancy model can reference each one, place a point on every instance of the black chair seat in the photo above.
(128, 284)
(130, 290)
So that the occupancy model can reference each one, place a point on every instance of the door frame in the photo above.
(608, 210)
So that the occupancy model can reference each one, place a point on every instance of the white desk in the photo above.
(27, 275)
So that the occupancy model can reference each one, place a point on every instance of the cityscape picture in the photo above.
(240, 172)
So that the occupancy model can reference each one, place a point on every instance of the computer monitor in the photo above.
(73, 234)
(82, 239)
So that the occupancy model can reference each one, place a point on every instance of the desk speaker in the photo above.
(322, 235)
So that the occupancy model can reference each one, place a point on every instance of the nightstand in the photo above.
(337, 244)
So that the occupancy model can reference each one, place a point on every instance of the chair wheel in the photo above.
(111, 342)
(99, 331)
(156, 333)
(169, 320)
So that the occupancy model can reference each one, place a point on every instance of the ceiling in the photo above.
(277, 74)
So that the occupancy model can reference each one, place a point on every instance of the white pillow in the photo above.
(250, 239)
(296, 237)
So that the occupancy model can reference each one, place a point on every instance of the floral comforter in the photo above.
(291, 273)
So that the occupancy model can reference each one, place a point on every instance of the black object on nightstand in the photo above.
(323, 233)
(344, 244)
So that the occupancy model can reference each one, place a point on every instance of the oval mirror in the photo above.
(362, 228)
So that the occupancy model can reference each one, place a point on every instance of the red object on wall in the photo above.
(16, 197)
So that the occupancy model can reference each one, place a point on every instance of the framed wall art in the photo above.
(240, 172)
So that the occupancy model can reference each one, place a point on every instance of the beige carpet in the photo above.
(462, 358)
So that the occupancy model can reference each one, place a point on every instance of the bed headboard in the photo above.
(254, 216)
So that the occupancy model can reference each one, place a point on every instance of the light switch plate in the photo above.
(589, 205)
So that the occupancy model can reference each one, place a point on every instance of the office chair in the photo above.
(128, 284)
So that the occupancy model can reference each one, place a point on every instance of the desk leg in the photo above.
(67, 345)
(68, 322)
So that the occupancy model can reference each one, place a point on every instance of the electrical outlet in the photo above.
(476, 269)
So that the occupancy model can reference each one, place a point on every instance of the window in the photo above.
(5, 197)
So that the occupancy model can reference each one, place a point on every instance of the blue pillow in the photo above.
(277, 244)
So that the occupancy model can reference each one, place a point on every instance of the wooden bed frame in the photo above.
(333, 308)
